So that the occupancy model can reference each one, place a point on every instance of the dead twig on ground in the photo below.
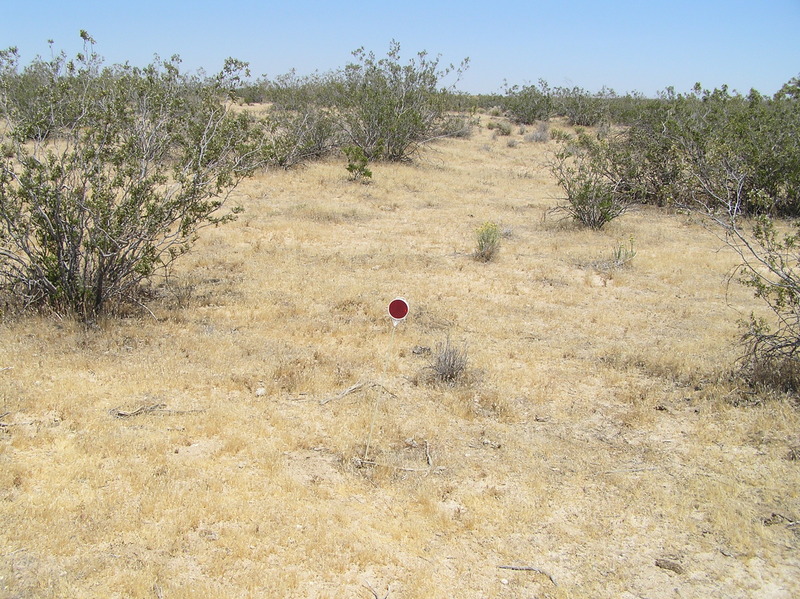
(344, 393)
(529, 569)
(149, 409)
(357, 387)
(374, 593)
(640, 469)
(117, 413)
(361, 462)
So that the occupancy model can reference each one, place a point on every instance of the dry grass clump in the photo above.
(449, 363)
(219, 449)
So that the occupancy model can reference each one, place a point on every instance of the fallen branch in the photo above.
(149, 409)
(354, 388)
(344, 393)
(629, 470)
(529, 569)
(6, 368)
(374, 593)
(360, 462)
(117, 413)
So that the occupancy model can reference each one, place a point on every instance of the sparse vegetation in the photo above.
(449, 363)
(539, 135)
(769, 266)
(256, 438)
(488, 242)
(623, 254)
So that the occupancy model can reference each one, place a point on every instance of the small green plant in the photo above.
(449, 363)
(488, 237)
(623, 254)
(357, 163)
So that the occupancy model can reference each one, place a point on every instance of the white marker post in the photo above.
(398, 310)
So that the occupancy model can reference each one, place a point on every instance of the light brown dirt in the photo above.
(594, 442)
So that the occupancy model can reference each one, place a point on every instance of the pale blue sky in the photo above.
(627, 45)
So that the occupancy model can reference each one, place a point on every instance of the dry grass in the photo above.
(594, 436)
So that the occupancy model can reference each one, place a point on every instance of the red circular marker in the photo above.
(398, 308)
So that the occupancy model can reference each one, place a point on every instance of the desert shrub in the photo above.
(45, 95)
(252, 93)
(529, 104)
(499, 127)
(456, 127)
(302, 123)
(739, 148)
(580, 107)
(448, 363)
(389, 109)
(770, 265)
(298, 136)
(125, 186)
(488, 242)
(357, 164)
(712, 148)
(736, 160)
(595, 193)
(539, 135)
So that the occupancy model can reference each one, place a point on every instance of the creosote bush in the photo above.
(594, 194)
(770, 265)
(130, 169)
(388, 109)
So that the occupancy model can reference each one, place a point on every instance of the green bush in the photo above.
(718, 149)
(499, 127)
(581, 108)
(389, 109)
(595, 193)
(357, 164)
(488, 242)
(298, 136)
(529, 104)
(45, 95)
(146, 158)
